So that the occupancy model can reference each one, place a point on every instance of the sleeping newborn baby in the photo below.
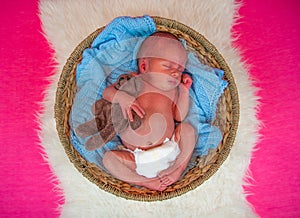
(158, 151)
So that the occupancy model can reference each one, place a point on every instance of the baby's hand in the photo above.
(186, 80)
(127, 104)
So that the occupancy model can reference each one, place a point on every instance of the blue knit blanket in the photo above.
(113, 53)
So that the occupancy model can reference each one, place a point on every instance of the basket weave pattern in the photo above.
(227, 117)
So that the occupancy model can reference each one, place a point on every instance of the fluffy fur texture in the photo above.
(66, 24)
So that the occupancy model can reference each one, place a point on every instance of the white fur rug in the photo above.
(65, 24)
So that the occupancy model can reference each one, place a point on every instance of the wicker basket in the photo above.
(227, 117)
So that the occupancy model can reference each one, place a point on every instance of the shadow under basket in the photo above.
(227, 117)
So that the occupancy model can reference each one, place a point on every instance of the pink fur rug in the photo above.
(269, 40)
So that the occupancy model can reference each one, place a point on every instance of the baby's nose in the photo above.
(175, 73)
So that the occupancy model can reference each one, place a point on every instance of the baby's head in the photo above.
(163, 56)
(163, 45)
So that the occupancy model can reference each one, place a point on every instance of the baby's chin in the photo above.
(167, 87)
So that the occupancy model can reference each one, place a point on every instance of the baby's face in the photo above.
(164, 74)
(162, 62)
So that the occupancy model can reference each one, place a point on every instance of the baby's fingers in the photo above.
(187, 80)
(138, 110)
(129, 114)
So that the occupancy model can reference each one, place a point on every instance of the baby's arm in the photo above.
(126, 102)
(182, 104)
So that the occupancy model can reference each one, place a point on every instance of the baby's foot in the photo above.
(168, 177)
(155, 184)
(166, 172)
(169, 180)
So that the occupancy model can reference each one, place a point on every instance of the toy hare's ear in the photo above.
(122, 79)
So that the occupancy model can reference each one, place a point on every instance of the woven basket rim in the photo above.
(84, 167)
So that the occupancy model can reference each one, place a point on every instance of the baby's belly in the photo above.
(155, 128)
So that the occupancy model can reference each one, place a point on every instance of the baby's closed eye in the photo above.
(167, 66)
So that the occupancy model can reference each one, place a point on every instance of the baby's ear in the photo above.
(143, 64)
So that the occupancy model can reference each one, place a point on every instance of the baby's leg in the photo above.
(121, 165)
(187, 140)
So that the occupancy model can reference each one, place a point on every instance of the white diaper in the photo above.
(150, 162)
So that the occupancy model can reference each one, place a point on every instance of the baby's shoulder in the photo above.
(129, 83)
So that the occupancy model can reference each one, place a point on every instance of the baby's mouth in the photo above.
(173, 82)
